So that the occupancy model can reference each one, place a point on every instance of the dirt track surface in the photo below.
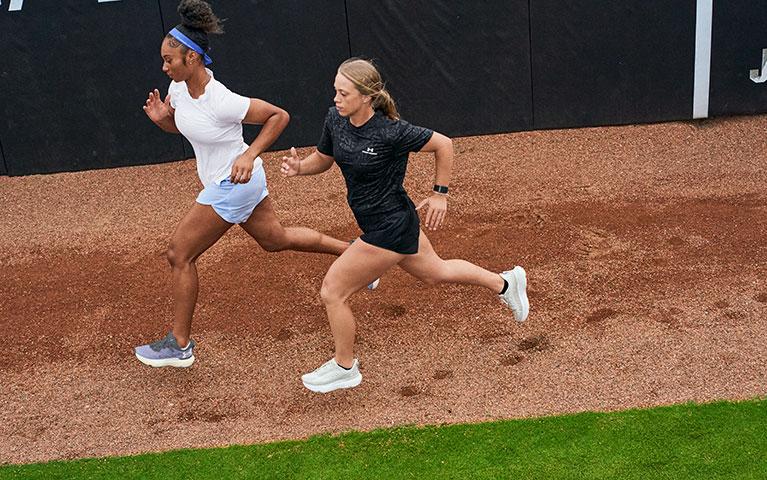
(644, 245)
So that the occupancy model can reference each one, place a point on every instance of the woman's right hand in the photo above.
(155, 108)
(436, 208)
(291, 166)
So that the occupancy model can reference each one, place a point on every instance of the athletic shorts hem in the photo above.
(235, 202)
(397, 231)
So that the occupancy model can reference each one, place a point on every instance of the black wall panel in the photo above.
(458, 67)
(75, 75)
(604, 62)
(738, 37)
(284, 52)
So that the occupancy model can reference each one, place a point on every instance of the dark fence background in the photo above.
(621, 62)
(462, 68)
(739, 36)
(76, 73)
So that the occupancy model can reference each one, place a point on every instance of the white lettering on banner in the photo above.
(16, 5)
(756, 77)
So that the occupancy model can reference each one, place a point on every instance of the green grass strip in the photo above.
(722, 440)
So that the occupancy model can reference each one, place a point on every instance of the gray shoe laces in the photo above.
(168, 341)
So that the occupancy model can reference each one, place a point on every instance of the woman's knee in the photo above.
(276, 240)
(434, 275)
(176, 257)
(331, 292)
(430, 279)
(273, 244)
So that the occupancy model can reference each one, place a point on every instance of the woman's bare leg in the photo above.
(197, 231)
(428, 267)
(264, 226)
(359, 265)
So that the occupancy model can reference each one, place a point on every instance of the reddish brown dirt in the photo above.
(644, 245)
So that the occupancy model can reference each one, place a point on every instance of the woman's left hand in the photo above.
(436, 208)
(242, 169)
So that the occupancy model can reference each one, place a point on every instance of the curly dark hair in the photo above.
(198, 14)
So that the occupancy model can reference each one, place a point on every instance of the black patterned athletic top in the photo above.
(373, 159)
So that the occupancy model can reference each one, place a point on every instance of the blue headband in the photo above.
(189, 43)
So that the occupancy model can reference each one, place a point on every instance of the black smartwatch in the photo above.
(440, 189)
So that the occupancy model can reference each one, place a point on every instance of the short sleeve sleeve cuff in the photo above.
(173, 92)
(325, 145)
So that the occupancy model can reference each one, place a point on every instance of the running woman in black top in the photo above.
(364, 135)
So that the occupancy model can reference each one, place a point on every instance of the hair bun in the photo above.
(199, 15)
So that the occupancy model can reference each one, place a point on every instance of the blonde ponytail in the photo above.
(383, 101)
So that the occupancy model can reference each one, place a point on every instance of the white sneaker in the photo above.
(330, 376)
(516, 295)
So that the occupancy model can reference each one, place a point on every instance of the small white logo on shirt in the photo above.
(369, 151)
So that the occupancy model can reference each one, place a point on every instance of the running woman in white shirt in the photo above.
(211, 117)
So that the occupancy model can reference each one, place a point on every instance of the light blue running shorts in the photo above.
(234, 202)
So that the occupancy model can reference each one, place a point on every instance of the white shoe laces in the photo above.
(326, 366)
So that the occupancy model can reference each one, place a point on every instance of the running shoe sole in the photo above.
(167, 362)
(350, 383)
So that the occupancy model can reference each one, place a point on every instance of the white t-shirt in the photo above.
(213, 125)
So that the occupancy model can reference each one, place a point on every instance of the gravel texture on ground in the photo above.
(644, 246)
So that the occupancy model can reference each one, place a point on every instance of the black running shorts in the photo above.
(397, 230)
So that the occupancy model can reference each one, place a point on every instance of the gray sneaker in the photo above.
(516, 295)
(330, 376)
(166, 353)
